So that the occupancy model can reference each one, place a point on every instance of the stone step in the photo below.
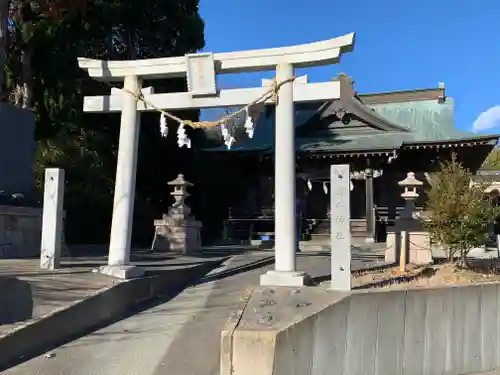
(327, 235)
(357, 224)
(358, 228)
(353, 234)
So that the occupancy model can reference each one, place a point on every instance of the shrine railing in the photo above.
(388, 215)
(247, 229)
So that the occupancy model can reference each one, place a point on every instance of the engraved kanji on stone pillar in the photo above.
(178, 231)
(340, 233)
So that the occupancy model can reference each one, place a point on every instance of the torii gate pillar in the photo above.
(285, 224)
(126, 168)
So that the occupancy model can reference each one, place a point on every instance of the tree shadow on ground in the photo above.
(16, 300)
(484, 266)
(489, 266)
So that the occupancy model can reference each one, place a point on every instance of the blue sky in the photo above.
(400, 44)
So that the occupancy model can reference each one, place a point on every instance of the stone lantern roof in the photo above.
(180, 181)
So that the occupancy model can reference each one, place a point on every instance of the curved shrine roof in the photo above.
(412, 119)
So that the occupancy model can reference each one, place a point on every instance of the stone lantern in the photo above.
(178, 231)
(408, 240)
(410, 195)
(180, 195)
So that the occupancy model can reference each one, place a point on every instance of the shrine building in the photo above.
(382, 137)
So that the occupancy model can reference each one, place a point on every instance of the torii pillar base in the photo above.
(285, 278)
(121, 272)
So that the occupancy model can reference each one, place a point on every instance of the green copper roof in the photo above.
(429, 120)
(347, 124)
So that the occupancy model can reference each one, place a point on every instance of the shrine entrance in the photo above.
(200, 71)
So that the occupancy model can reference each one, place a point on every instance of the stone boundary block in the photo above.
(227, 334)
(312, 331)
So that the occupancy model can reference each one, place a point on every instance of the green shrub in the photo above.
(459, 212)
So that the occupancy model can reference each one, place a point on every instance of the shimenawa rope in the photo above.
(271, 93)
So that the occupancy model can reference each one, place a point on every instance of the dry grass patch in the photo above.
(429, 276)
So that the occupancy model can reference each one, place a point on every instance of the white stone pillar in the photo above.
(123, 206)
(285, 229)
(284, 171)
(52, 221)
(340, 222)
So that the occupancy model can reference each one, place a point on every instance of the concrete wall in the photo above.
(453, 330)
(20, 231)
(17, 149)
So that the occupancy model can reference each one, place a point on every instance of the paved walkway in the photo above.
(27, 293)
(27, 287)
(181, 336)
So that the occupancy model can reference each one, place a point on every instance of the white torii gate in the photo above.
(201, 70)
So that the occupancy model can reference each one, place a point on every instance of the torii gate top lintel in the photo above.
(312, 54)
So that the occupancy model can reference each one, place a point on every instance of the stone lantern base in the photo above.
(418, 246)
(177, 234)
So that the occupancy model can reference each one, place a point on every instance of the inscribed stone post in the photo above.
(52, 221)
(340, 227)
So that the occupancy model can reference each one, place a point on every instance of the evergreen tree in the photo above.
(459, 212)
(41, 73)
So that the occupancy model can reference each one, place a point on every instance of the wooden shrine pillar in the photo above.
(370, 209)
